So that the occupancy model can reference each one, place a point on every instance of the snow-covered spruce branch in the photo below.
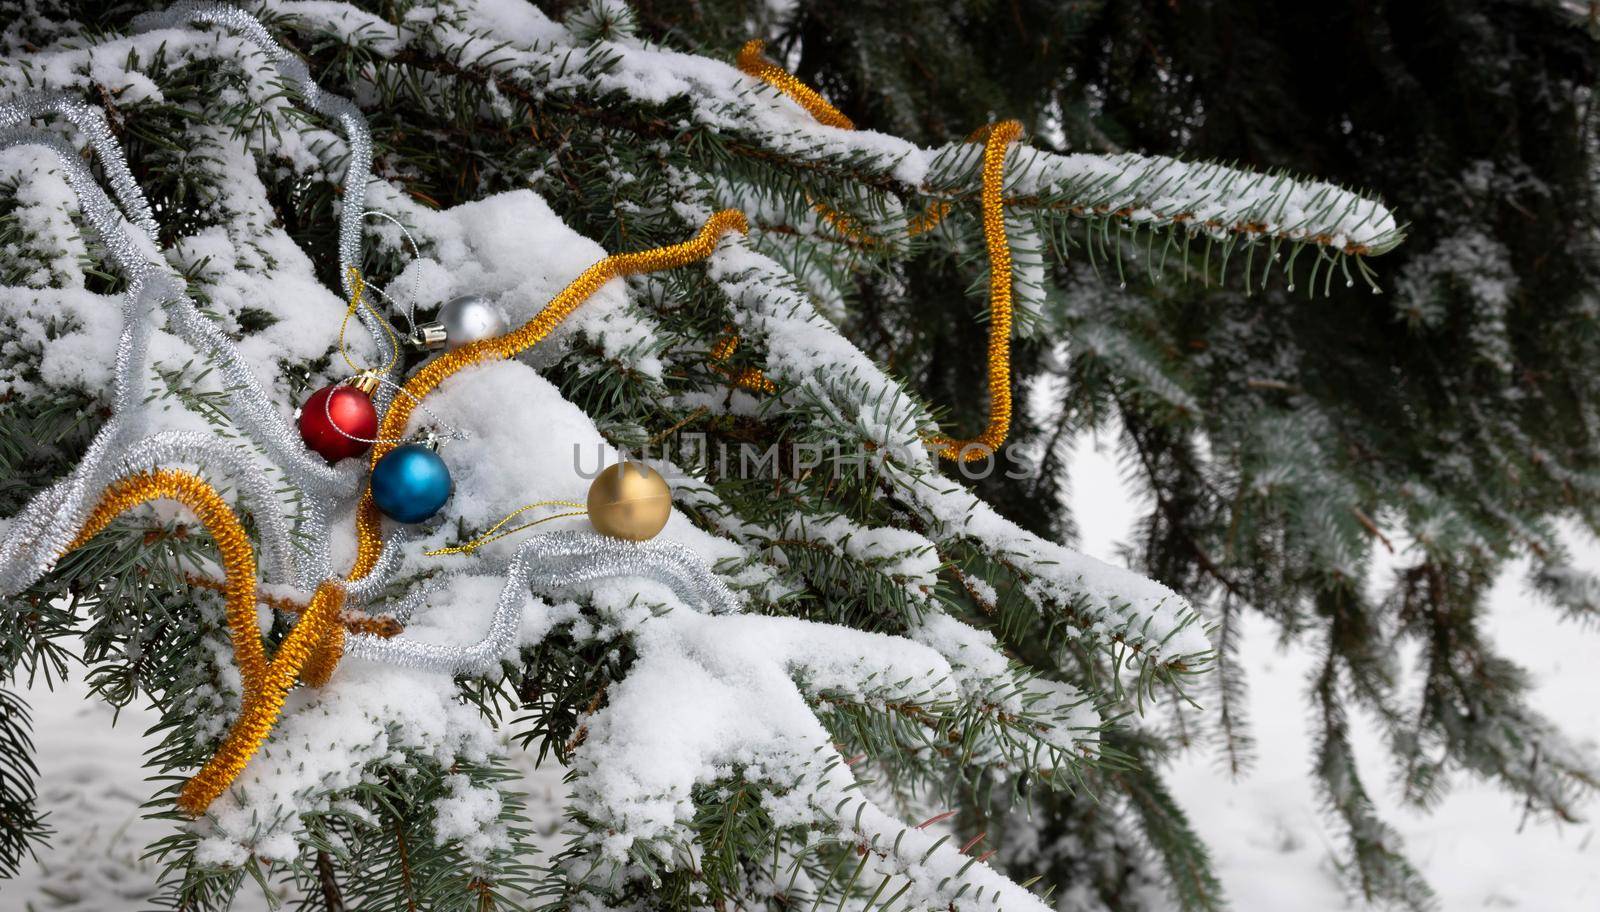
(555, 67)
(547, 66)
(1379, 869)
(860, 404)
(551, 69)
(1021, 728)
(747, 713)
(1203, 198)
(276, 800)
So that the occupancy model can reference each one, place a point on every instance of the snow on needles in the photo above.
(754, 681)
(827, 368)
(710, 699)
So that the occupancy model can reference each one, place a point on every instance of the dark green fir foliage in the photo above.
(1283, 438)
(1282, 423)
(22, 824)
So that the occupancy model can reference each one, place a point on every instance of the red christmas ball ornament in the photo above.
(337, 421)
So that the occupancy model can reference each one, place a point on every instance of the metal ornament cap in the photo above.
(410, 483)
(428, 337)
(470, 318)
(629, 500)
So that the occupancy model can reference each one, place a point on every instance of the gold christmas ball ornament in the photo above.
(629, 500)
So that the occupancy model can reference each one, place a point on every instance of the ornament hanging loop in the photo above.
(497, 531)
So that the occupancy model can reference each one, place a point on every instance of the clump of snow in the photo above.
(713, 697)
(526, 444)
(327, 738)
(897, 553)
(469, 817)
(483, 247)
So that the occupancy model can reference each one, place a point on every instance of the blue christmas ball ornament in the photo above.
(410, 483)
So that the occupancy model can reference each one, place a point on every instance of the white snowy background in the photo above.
(1271, 842)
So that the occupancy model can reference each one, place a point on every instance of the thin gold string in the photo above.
(358, 299)
(264, 683)
(369, 522)
(494, 533)
(995, 138)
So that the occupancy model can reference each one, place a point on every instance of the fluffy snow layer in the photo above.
(1267, 833)
(93, 783)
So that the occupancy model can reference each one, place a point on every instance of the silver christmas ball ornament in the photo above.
(461, 320)
(470, 318)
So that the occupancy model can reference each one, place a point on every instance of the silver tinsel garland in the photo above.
(43, 528)
(48, 523)
(353, 214)
(551, 562)
(91, 122)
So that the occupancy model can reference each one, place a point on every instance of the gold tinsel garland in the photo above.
(1000, 313)
(751, 61)
(353, 621)
(264, 683)
(996, 139)
(750, 378)
(257, 716)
